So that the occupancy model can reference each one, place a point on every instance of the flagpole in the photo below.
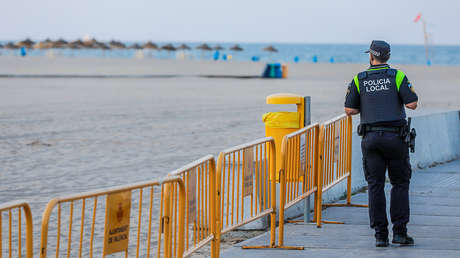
(425, 37)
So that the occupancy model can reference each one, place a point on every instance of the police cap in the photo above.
(379, 48)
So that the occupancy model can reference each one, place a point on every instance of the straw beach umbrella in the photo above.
(60, 43)
(43, 44)
(76, 44)
(218, 47)
(91, 43)
(11, 45)
(150, 45)
(136, 46)
(236, 48)
(184, 47)
(138, 53)
(169, 47)
(26, 43)
(102, 46)
(204, 47)
(270, 49)
(116, 44)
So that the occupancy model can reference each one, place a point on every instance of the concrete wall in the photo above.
(438, 139)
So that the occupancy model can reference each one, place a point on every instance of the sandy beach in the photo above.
(76, 134)
(69, 125)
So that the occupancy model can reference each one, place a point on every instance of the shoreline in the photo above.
(89, 67)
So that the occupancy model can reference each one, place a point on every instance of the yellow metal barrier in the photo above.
(200, 221)
(245, 183)
(334, 160)
(118, 210)
(11, 208)
(298, 174)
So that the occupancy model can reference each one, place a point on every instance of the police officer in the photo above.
(379, 95)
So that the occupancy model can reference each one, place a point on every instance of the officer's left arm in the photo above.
(407, 94)
(352, 100)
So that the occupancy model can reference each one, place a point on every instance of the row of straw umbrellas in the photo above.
(113, 44)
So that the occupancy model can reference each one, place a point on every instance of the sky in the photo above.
(274, 21)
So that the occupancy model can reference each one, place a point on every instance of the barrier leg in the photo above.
(348, 203)
(29, 232)
(217, 205)
(319, 208)
(273, 203)
(281, 208)
(319, 193)
(166, 221)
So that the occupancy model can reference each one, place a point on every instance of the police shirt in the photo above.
(406, 95)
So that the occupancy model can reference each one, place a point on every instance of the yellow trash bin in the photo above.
(279, 124)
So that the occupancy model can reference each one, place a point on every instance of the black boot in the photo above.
(402, 239)
(381, 242)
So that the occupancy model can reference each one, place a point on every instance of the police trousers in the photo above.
(382, 151)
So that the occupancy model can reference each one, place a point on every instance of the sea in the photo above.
(287, 53)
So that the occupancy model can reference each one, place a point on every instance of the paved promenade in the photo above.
(434, 224)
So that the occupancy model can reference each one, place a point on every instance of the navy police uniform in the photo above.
(380, 94)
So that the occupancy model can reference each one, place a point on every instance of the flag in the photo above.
(417, 18)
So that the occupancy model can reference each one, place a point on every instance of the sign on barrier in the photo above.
(337, 141)
(191, 196)
(248, 178)
(303, 155)
(116, 236)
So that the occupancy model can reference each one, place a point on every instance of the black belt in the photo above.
(391, 129)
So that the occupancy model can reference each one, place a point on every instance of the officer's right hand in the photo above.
(412, 105)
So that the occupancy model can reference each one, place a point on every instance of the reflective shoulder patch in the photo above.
(356, 82)
(399, 78)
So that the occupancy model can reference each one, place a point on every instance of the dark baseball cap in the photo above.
(379, 48)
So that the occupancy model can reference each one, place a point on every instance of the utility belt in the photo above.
(401, 130)
(405, 132)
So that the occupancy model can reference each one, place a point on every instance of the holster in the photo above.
(405, 133)
(412, 136)
(361, 130)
